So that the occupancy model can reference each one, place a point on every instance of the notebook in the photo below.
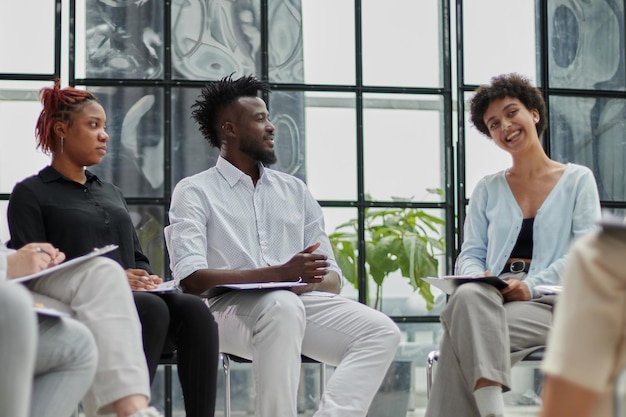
(448, 283)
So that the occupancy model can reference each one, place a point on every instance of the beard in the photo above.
(264, 156)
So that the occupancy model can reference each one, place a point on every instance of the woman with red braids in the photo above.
(73, 209)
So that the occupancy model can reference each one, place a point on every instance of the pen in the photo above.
(40, 250)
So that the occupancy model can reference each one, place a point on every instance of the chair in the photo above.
(536, 356)
(227, 357)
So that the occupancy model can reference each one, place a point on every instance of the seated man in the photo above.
(241, 222)
(46, 368)
(587, 345)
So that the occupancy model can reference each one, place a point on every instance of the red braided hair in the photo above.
(59, 104)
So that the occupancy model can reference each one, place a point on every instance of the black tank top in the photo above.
(524, 246)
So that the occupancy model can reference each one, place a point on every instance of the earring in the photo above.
(62, 139)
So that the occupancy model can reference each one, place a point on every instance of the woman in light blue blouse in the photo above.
(520, 223)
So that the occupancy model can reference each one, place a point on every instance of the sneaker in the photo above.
(148, 412)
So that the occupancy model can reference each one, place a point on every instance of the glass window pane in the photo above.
(19, 110)
(148, 221)
(592, 132)
(507, 43)
(134, 159)
(482, 155)
(119, 39)
(586, 45)
(330, 153)
(285, 41)
(287, 113)
(403, 142)
(212, 39)
(323, 64)
(191, 153)
(28, 37)
(402, 43)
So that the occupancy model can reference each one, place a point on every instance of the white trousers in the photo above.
(587, 344)
(97, 294)
(274, 327)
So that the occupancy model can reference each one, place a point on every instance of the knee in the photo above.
(15, 300)
(387, 332)
(17, 316)
(467, 295)
(192, 312)
(107, 274)
(153, 312)
(285, 309)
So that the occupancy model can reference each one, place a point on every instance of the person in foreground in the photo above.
(241, 222)
(47, 362)
(519, 226)
(76, 211)
(587, 344)
(94, 293)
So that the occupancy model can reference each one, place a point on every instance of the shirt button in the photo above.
(84, 190)
(106, 222)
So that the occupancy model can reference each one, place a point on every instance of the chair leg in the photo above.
(226, 367)
(322, 378)
(432, 357)
(167, 387)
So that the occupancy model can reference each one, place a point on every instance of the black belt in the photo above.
(516, 267)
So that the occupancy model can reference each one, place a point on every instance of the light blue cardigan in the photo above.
(494, 220)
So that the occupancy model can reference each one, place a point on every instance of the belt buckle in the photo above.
(517, 266)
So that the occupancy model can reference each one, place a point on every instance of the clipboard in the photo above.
(448, 283)
(66, 264)
(224, 288)
(263, 285)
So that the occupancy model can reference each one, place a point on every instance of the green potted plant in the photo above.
(396, 239)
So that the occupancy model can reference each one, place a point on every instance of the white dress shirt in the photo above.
(220, 220)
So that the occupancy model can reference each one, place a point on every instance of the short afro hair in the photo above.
(507, 85)
(215, 97)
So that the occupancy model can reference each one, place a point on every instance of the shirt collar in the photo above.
(49, 174)
(231, 173)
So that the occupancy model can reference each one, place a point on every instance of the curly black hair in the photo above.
(507, 85)
(215, 97)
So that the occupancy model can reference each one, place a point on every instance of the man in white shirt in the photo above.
(48, 366)
(240, 222)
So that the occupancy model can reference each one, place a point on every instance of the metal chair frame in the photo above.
(226, 358)
(536, 356)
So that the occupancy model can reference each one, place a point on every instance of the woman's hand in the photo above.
(140, 280)
(516, 291)
(32, 258)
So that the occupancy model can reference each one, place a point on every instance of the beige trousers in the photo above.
(96, 293)
(483, 337)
